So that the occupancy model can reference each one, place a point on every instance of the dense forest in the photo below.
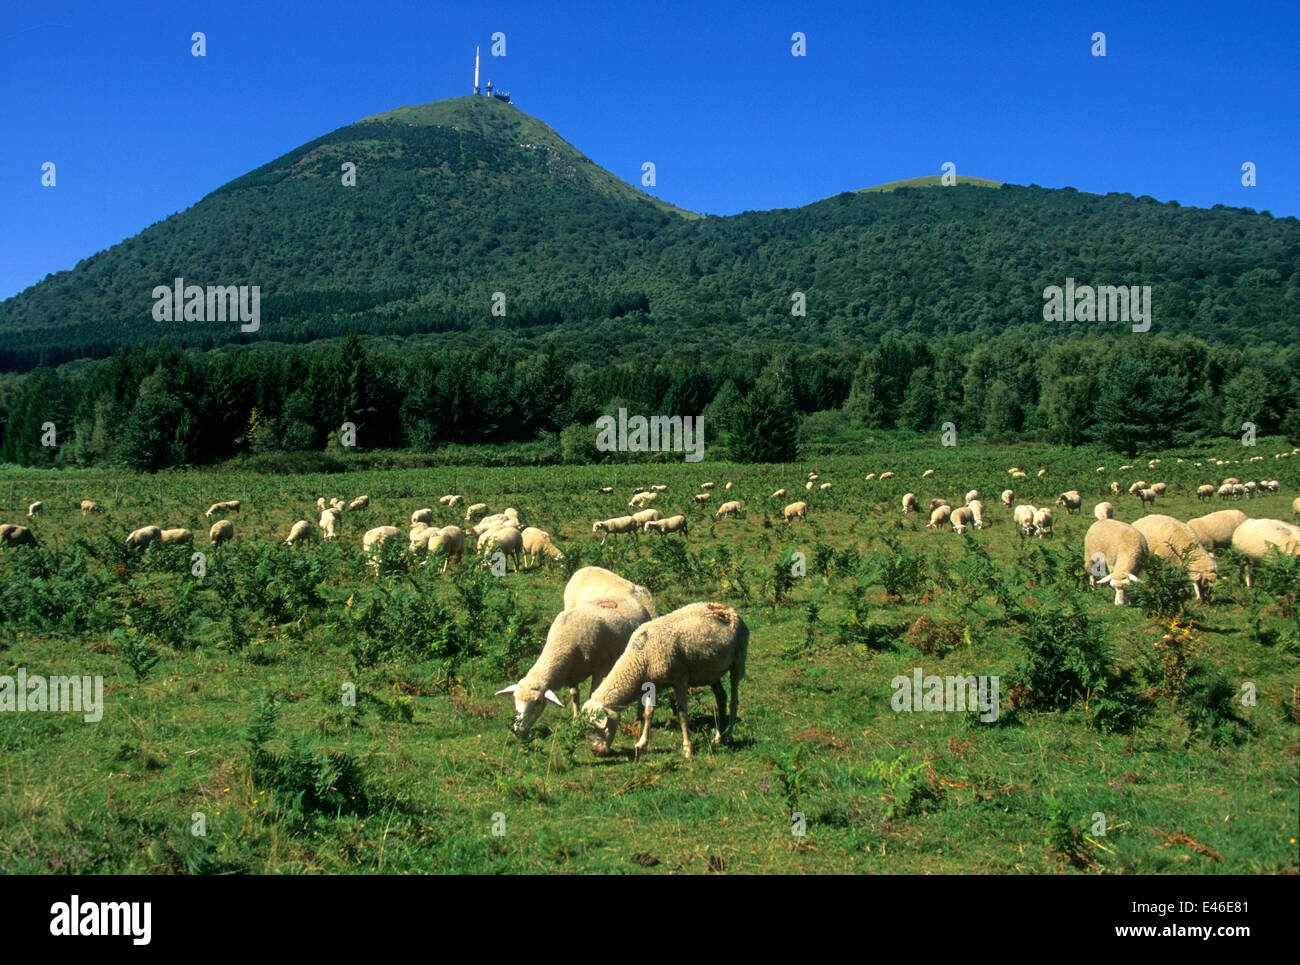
(461, 199)
(162, 408)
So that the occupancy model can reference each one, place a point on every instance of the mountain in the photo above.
(462, 199)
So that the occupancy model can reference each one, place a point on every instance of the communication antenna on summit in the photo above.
(476, 89)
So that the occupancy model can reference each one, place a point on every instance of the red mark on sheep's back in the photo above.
(721, 612)
(606, 604)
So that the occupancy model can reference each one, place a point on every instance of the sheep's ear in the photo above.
(509, 691)
(550, 695)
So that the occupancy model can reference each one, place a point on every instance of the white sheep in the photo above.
(702, 497)
(422, 516)
(1175, 540)
(1256, 538)
(825, 487)
(936, 502)
(222, 531)
(673, 524)
(1204, 492)
(1114, 552)
(927, 474)
(1215, 529)
(707, 485)
(583, 642)
(619, 524)
(595, 582)
(472, 511)
(646, 516)
(1008, 497)
(1147, 496)
(977, 512)
(1159, 488)
(886, 475)
(779, 494)
(330, 524)
(35, 508)
(795, 510)
(732, 508)
(231, 505)
(641, 498)
(451, 500)
(506, 540)
(664, 489)
(939, 516)
(909, 502)
(1024, 518)
(177, 536)
(299, 532)
(536, 542)
(691, 647)
(320, 503)
(1042, 473)
(1042, 522)
(1071, 500)
(448, 542)
(374, 538)
(606, 490)
(972, 495)
(962, 517)
(361, 502)
(140, 538)
(1103, 511)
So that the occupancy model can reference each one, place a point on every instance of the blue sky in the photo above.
(710, 92)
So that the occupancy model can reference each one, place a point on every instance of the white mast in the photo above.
(476, 70)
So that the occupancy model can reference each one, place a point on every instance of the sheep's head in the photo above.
(1119, 581)
(530, 701)
(603, 723)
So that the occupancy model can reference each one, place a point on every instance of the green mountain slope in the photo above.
(464, 198)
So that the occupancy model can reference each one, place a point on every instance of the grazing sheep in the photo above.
(620, 524)
(491, 523)
(643, 497)
(1119, 549)
(707, 485)
(1225, 491)
(886, 475)
(320, 503)
(1231, 481)
(177, 536)
(696, 645)
(90, 506)
(1136, 488)
(1159, 488)
(140, 538)
(1147, 496)
(536, 542)
(1024, 518)
(474, 510)
(673, 524)
(1255, 538)
(330, 524)
(605, 489)
(727, 486)
(646, 516)
(729, 509)
(216, 509)
(361, 502)
(374, 538)
(1215, 530)
(937, 502)
(594, 583)
(1103, 511)
(779, 494)
(451, 500)
(448, 542)
(299, 532)
(505, 539)
(939, 516)
(927, 474)
(1114, 488)
(1042, 473)
(1204, 492)
(977, 512)
(1175, 540)
(808, 485)
(909, 502)
(664, 489)
(13, 535)
(422, 516)
(583, 642)
(799, 510)
(222, 531)
(1071, 500)
(1008, 497)
(1272, 485)
(1042, 522)
(35, 508)
(1019, 475)
(702, 497)
(337, 505)
(825, 487)
(962, 517)
(972, 495)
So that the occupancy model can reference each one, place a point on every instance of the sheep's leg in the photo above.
(573, 696)
(724, 722)
(683, 704)
(645, 730)
(735, 706)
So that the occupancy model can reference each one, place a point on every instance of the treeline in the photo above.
(166, 408)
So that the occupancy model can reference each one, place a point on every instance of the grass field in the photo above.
(225, 712)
